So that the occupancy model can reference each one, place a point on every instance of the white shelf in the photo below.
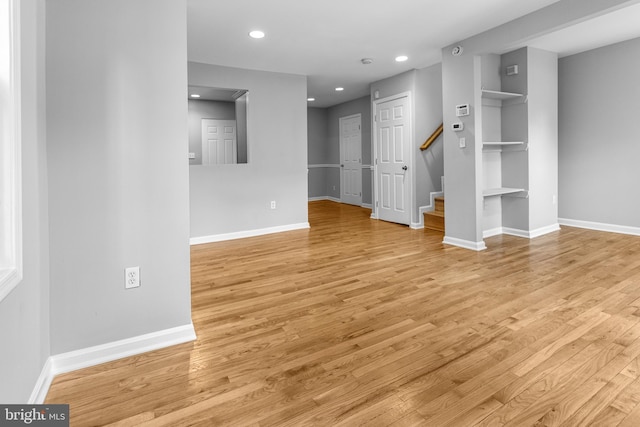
(489, 192)
(496, 94)
(503, 143)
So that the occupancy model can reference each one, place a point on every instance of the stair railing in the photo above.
(432, 138)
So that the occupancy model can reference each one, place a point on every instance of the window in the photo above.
(10, 169)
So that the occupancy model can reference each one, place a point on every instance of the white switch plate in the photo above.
(192, 155)
(462, 142)
(273, 204)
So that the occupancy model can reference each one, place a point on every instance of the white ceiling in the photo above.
(325, 40)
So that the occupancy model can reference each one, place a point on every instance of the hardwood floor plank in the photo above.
(362, 322)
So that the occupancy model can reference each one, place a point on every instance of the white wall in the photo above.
(24, 313)
(118, 175)
(599, 135)
(236, 198)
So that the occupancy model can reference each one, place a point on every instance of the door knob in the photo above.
(404, 168)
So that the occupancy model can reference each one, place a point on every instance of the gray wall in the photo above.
(24, 313)
(360, 106)
(463, 181)
(599, 135)
(203, 109)
(118, 179)
(236, 198)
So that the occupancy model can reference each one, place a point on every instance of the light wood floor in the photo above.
(362, 322)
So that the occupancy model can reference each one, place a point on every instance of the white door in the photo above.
(351, 160)
(219, 142)
(393, 145)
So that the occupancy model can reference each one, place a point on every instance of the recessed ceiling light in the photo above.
(256, 34)
(311, 99)
(195, 95)
(401, 58)
(339, 89)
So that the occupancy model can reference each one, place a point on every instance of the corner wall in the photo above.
(24, 313)
(118, 171)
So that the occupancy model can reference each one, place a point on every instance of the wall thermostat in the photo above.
(457, 127)
(462, 110)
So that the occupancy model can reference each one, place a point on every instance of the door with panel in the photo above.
(219, 142)
(351, 160)
(393, 140)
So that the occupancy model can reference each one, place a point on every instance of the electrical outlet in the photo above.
(462, 142)
(273, 204)
(131, 277)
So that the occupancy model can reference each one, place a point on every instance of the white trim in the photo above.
(11, 162)
(599, 226)
(248, 233)
(91, 356)
(333, 199)
(492, 232)
(318, 198)
(40, 390)
(521, 233)
(466, 244)
(323, 165)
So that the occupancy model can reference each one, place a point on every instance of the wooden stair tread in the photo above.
(434, 220)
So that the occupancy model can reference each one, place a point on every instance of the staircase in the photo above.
(434, 220)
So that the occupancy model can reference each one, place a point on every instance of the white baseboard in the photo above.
(521, 233)
(417, 225)
(599, 226)
(331, 199)
(43, 383)
(248, 233)
(91, 356)
(466, 244)
(544, 230)
(492, 232)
